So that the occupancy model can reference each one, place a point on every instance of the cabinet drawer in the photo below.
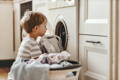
(94, 56)
(94, 41)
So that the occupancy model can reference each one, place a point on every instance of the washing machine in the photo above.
(63, 19)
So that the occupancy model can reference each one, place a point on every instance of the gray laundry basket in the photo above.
(65, 73)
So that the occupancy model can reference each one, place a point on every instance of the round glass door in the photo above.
(62, 32)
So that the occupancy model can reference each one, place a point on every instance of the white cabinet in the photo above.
(94, 56)
(94, 35)
(6, 30)
(94, 17)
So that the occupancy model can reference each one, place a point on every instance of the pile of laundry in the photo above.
(55, 60)
(53, 53)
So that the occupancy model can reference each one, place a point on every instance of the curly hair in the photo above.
(32, 19)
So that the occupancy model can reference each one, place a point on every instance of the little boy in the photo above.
(34, 23)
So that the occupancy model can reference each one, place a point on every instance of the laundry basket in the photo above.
(65, 73)
(53, 44)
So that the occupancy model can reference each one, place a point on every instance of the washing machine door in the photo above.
(62, 32)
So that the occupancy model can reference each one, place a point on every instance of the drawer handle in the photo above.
(94, 42)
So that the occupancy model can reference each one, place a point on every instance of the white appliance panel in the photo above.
(69, 16)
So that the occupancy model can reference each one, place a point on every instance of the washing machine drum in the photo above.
(62, 32)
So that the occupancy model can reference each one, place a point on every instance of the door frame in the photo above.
(114, 39)
(119, 42)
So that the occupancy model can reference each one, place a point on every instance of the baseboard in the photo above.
(6, 63)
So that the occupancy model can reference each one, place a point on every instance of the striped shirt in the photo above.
(28, 49)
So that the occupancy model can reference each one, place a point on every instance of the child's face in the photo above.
(41, 29)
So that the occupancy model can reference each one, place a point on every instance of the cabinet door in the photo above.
(94, 17)
(17, 26)
(25, 6)
(94, 56)
(6, 30)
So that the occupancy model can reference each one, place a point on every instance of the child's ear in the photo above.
(35, 28)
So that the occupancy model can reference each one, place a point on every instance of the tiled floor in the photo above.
(4, 73)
